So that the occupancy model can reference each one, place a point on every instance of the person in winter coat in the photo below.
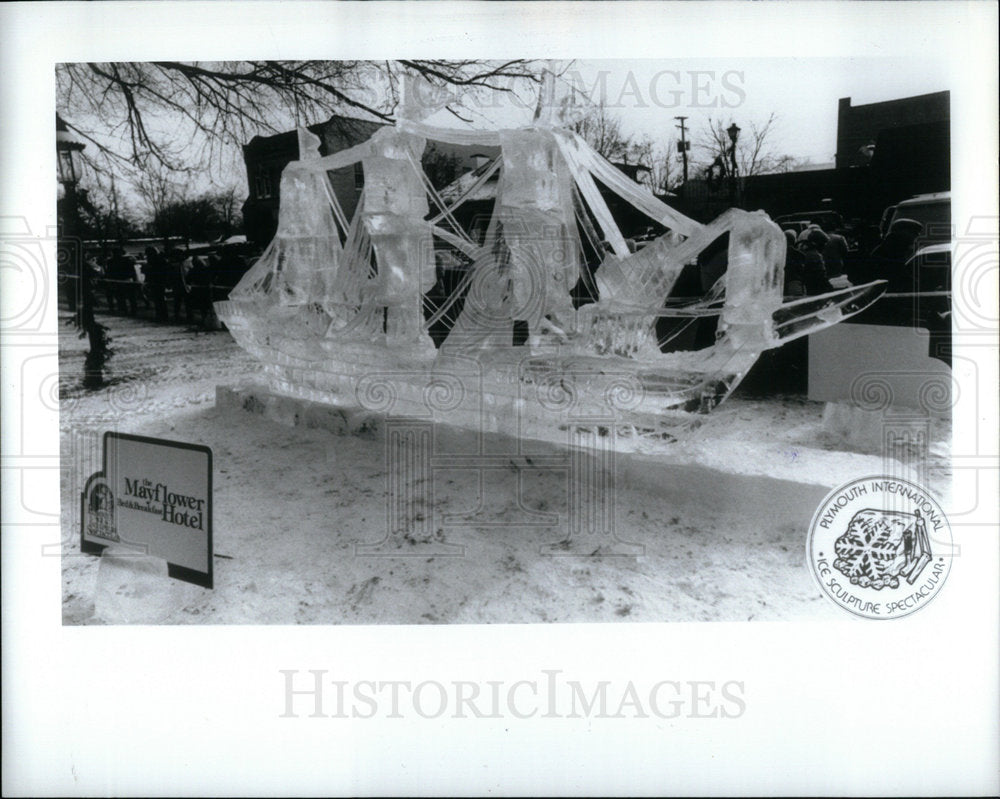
(155, 273)
(812, 242)
(794, 267)
(835, 254)
(175, 281)
(121, 270)
(890, 259)
(199, 281)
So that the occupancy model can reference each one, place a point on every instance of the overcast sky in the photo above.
(802, 92)
(648, 94)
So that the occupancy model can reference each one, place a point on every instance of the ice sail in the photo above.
(552, 289)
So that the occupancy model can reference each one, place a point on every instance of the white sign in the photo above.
(156, 496)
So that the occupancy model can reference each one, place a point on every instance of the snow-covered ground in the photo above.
(722, 539)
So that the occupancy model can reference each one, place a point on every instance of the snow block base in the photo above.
(853, 426)
(296, 412)
(133, 588)
(753, 493)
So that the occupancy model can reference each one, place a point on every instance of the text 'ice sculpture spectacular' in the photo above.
(548, 318)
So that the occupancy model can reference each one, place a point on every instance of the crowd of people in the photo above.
(186, 283)
(168, 279)
(814, 257)
(917, 290)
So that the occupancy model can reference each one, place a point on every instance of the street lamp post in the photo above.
(684, 145)
(68, 149)
(81, 294)
(734, 135)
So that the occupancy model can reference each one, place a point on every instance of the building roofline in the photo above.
(895, 99)
(317, 128)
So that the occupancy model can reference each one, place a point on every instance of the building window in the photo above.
(359, 177)
(264, 185)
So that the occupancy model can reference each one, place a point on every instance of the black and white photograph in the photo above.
(475, 374)
(461, 408)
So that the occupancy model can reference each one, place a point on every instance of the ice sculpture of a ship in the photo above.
(552, 317)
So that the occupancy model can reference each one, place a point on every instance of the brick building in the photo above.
(859, 126)
(886, 152)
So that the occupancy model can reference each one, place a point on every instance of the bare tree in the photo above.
(159, 190)
(138, 113)
(602, 130)
(227, 203)
(753, 153)
(786, 163)
(104, 215)
(441, 167)
(202, 218)
(659, 157)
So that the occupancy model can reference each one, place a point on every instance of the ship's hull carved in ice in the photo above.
(548, 320)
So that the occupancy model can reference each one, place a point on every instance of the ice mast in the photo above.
(533, 245)
(333, 299)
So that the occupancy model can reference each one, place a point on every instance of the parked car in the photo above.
(931, 268)
(883, 223)
(921, 300)
(795, 226)
(828, 220)
(933, 211)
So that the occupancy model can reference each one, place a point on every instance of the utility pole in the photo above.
(683, 146)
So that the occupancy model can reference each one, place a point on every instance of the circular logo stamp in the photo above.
(880, 547)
